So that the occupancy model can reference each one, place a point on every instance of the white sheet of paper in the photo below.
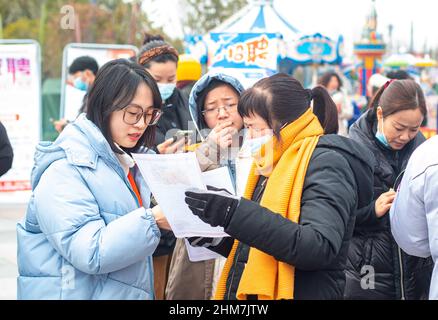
(168, 177)
(200, 253)
(219, 178)
(243, 168)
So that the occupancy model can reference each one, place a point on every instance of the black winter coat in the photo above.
(396, 274)
(6, 153)
(337, 182)
(176, 116)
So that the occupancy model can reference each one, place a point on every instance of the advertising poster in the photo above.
(71, 98)
(20, 111)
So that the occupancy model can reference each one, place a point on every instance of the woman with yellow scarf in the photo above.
(290, 231)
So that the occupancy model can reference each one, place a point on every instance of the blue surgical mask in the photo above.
(79, 84)
(255, 144)
(381, 137)
(166, 90)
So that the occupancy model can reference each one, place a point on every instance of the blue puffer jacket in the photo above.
(84, 235)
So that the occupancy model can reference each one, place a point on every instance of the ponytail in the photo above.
(281, 99)
(375, 101)
(325, 109)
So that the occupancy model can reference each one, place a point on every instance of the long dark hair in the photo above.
(398, 95)
(114, 88)
(281, 99)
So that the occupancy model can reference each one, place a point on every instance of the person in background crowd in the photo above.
(88, 232)
(82, 73)
(375, 82)
(6, 152)
(161, 60)
(399, 75)
(293, 226)
(414, 219)
(188, 72)
(390, 132)
(333, 83)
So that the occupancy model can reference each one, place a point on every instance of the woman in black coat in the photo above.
(377, 268)
(278, 255)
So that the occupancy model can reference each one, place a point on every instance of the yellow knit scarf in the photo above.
(285, 162)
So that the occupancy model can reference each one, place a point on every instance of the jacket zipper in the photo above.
(401, 274)
(397, 161)
(234, 272)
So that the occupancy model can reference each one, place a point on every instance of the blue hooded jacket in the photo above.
(84, 235)
(199, 86)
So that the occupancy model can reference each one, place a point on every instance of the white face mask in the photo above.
(254, 145)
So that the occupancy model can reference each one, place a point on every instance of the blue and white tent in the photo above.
(259, 16)
(258, 41)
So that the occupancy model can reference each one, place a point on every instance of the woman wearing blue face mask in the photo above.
(390, 130)
(160, 59)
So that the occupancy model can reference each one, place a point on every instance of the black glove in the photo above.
(213, 207)
(204, 241)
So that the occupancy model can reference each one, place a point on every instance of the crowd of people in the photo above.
(328, 211)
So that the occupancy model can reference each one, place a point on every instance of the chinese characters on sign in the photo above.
(249, 52)
(13, 69)
(247, 56)
(244, 50)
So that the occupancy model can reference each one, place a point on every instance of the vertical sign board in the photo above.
(71, 98)
(247, 56)
(20, 113)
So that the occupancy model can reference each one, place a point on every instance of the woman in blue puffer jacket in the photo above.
(87, 233)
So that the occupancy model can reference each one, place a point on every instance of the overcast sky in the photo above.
(333, 17)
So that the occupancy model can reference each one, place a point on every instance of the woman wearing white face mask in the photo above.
(257, 134)
(291, 229)
(160, 59)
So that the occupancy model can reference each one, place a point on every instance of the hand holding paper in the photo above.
(168, 177)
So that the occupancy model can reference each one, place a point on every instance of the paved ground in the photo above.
(9, 215)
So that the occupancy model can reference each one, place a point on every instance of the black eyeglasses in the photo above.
(133, 113)
(214, 112)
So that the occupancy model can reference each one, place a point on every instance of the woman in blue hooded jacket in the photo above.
(87, 233)
(213, 107)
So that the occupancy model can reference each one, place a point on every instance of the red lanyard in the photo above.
(134, 187)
